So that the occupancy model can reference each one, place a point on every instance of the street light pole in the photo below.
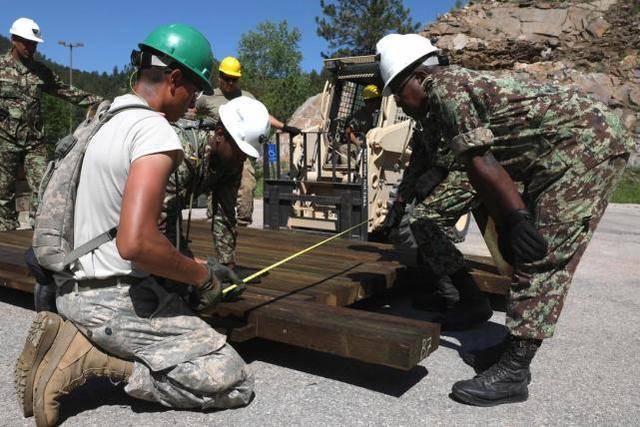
(70, 45)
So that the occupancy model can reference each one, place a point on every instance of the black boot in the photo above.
(473, 308)
(481, 360)
(504, 382)
(444, 298)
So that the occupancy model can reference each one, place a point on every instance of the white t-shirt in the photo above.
(128, 136)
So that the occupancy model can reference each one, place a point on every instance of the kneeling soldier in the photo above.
(120, 322)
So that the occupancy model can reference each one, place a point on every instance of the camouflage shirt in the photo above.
(198, 174)
(21, 89)
(535, 131)
(208, 105)
(361, 121)
(421, 159)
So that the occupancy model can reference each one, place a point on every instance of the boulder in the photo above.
(598, 27)
(592, 45)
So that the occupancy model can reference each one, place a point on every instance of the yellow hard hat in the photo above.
(370, 92)
(231, 67)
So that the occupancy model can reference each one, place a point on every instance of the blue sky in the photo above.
(110, 29)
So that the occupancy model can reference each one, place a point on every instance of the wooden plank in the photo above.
(486, 274)
(11, 277)
(491, 283)
(370, 337)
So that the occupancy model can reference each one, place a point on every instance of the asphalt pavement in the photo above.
(586, 375)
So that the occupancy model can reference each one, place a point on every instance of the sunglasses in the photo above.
(228, 78)
(198, 91)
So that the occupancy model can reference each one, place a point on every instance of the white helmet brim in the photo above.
(247, 121)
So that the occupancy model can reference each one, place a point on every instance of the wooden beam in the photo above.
(370, 337)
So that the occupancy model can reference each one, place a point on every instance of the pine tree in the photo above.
(270, 59)
(353, 27)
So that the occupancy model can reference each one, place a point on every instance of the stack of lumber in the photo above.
(305, 301)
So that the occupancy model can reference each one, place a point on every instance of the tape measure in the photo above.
(290, 257)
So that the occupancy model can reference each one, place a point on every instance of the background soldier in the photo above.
(23, 80)
(361, 122)
(565, 150)
(230, 73)
(213, 162)
(439, 198)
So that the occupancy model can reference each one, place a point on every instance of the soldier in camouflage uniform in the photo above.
(230, 73)
(203, 171)
(565, 150)
(23, 80)
(439, 199)
(360, 123)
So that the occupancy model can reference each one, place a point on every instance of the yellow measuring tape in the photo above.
(290, 257)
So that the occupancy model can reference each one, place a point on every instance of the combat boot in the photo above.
(70, 362)
(483, 359)
(473, 308)
(504, 382)
(444, 298)
(40, 337)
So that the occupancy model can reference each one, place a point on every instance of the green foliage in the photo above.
(628, 190)
(353, 27)
(259, 192)
(459, 4)
(270, 59)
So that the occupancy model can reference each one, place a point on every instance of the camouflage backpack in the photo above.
(53, 232)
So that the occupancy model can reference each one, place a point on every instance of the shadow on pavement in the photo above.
(481, 337)
(392, 382)
(17, 298)
(101, 392)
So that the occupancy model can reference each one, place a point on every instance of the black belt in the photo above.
(89, 284)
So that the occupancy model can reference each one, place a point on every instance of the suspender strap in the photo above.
(91, 245)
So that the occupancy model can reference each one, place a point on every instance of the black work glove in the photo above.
(393, 219)
(212, 292)
(245, 272)
(519, 240)
(291, 130)
(428, 181)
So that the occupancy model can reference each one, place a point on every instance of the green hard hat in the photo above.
(187, 46)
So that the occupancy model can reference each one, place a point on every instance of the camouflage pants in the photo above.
(34, 161)
(567, 213)
(433, 220)
(245, 194)
(179, 360)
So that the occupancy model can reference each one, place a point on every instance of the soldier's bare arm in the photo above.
(516, 227)
(494, 185)
(139, 239)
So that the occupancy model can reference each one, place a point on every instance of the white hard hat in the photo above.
(247, 121)
(398, 52)
(27, 29)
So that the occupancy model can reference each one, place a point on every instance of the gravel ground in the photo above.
(587, 374)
